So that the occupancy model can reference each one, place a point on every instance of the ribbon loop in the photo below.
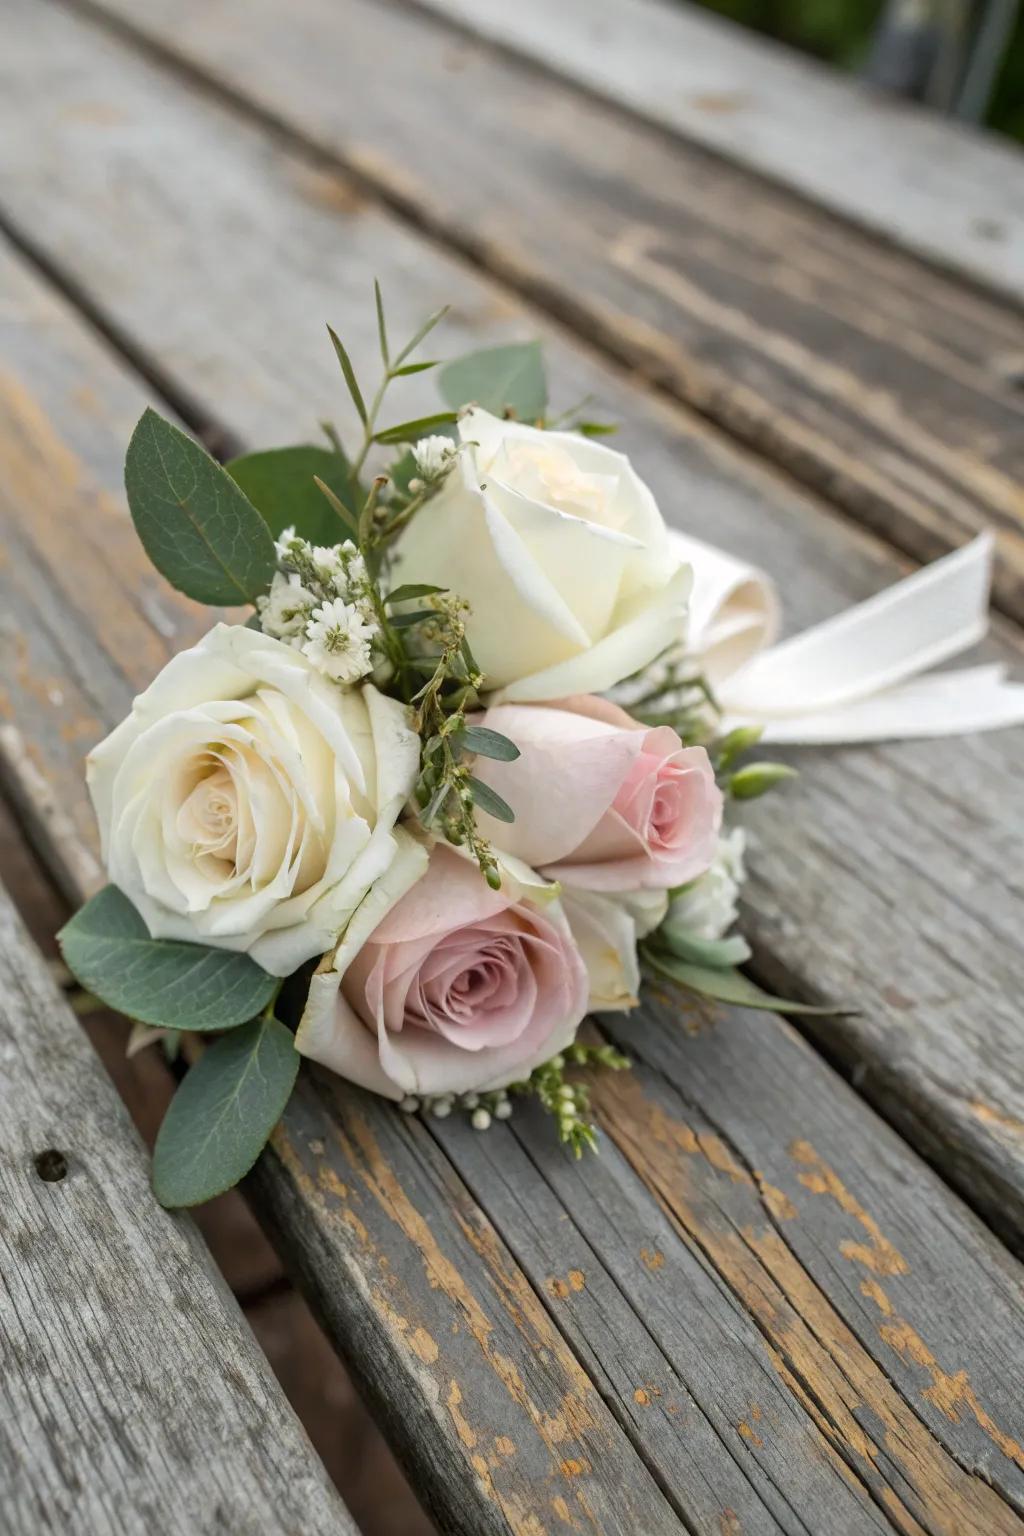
(855, 677)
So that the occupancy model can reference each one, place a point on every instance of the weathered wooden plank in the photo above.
(466, 1361)
(388, 1236)
(949, 193)
(890, 388)
(921, 935)
(134, 1396)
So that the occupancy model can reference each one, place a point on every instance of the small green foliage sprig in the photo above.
(431, 639)
(567, 1101)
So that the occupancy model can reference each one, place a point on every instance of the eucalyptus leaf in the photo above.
(161, 982)
(716, 953)
(500, 379)
(729, 986)
(490, 801)
(281, 484)
(487, 743)
(197, 526)
(222, 1115)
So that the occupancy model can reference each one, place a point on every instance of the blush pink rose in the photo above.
(458, 988)
(601, 802)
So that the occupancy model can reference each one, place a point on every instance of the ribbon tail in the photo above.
(856, 677)
(942, 704)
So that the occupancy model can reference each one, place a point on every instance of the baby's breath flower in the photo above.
(434, 456)
(283, 543)
(338, 641)
(286, 608)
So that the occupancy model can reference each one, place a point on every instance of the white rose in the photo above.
(248, 802)
(560, 550)
(707, 908)
(606, 929)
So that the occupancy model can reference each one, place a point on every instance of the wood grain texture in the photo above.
(947, 192)
(891, 389)
(178, 222)
(134, 1397)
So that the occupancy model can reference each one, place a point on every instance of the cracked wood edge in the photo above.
(921, 932)
(508, 1420)
(890, 388)
(125, 1358)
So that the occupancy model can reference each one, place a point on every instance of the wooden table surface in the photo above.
(787, 1296)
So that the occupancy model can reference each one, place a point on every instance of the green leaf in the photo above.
(162, 982)
(350, 376)
(423, 332)
(757, 778)
(412, 589)
(223, 1113)
(596, 428)
(718, 954)
(491, 802)
(729, 986)
(410, 368)
(412, 431)
(487, 743)
(382, 330)
(197, 526)
(499, 379)
(281, 484)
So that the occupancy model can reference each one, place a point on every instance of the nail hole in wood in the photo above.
(51, 1165)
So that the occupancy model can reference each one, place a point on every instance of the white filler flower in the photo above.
(434, 456)
(286, 609)
(338, 641)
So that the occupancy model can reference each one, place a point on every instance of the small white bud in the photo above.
(567, 1092)
(410, 1104)
(503, 1109)
(481, 1119)
(434, 456)
(441, 1107)
(470, 1100)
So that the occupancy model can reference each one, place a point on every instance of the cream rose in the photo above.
(441, 985)
(248, 802)
(560, 550)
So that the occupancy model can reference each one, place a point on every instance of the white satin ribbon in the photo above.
(857, 676)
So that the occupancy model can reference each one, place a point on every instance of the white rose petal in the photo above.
(708, 908)
(562, 554)
(248, 801)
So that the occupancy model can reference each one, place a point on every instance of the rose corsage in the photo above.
(455, 782)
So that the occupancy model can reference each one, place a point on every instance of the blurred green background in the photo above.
(841, 31)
